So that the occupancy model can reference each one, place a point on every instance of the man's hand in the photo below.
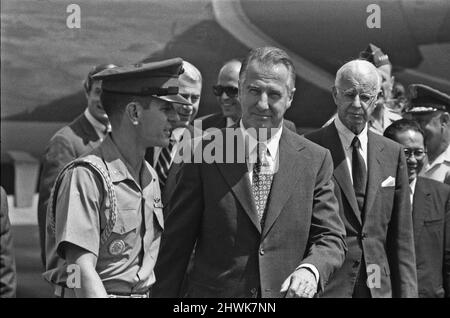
(300, 284)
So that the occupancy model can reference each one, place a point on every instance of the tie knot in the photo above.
(356, 143)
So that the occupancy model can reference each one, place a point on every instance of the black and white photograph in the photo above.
(234, 150)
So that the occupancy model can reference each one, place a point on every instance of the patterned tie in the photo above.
(261, 182)
(163, 164)
(359, 174)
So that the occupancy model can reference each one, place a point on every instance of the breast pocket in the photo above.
(124, 234)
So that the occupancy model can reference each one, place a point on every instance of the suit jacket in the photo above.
(7, 260)
(212, 206)
(167, 191)
(431, 218)
(383, 238)
(70, 142)
(217, 120)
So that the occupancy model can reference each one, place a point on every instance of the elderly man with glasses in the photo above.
(372, 189)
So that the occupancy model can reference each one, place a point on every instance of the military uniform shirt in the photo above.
(125, 262)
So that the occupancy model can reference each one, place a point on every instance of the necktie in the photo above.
(359, 174)
(163, 164)
(261, 182)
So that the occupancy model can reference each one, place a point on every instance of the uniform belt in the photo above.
(63, 292)
(130, 295)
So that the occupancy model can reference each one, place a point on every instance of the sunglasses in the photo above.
(229, 90)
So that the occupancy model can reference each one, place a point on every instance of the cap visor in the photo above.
(174, 99)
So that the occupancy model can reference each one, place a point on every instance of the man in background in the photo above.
(430, 108)
(226, 91)
(430, 201)
(161, 159)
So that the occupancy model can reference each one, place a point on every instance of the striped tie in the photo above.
(163, 164)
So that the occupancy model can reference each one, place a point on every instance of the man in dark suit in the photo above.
(162, 159)
(265, 223)
(7, 260)
(371, 185)
(82, 135)
(431, 213)
(226, 90)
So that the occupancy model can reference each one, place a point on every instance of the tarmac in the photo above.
(30, 283)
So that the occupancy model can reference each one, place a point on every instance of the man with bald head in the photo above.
(226, 91)
(161, 159)
(371, 184)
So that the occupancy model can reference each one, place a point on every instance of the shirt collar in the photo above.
(98, 126)
(272, 143)
(445, 156)
(412, 185)
(347, 135)
(177, 133)
(230, 122)
(116, 164)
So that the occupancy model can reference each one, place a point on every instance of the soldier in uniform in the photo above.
(431, 109)
(104, 220)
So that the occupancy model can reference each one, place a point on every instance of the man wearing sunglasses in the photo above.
(226, 92)
(431, 212)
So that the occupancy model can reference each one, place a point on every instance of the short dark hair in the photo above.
(400, 126)
(268, 55)
(114, 104)
(87, 84)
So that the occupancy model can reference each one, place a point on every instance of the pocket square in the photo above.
(389, 182)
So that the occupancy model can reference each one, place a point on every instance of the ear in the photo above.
(334, 93)
(291, 96)
(445, 119)
(133, 111)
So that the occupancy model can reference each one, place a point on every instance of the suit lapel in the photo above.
(89, 130)
(374, 171)
(341, 173)
(289, 170)
(421, 206)
(237, 177)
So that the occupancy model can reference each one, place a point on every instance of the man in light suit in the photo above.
(267, 227)
(431, 213)
(371, 185)
(82, 135)
(162, 159)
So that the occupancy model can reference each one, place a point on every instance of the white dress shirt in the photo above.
(230, 122)
(412, 188)
(439, 169)
(346, 136)
(272, 156)
(100, 129)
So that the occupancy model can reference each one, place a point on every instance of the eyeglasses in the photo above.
(418, 153)
(229, 90)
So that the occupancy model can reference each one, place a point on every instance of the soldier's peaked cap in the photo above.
(425, 99)
(374, 55)
(158, 79)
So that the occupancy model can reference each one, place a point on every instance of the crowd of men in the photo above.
(339, 212)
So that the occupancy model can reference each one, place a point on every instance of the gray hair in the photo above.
(268, 56)
(358, 68)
